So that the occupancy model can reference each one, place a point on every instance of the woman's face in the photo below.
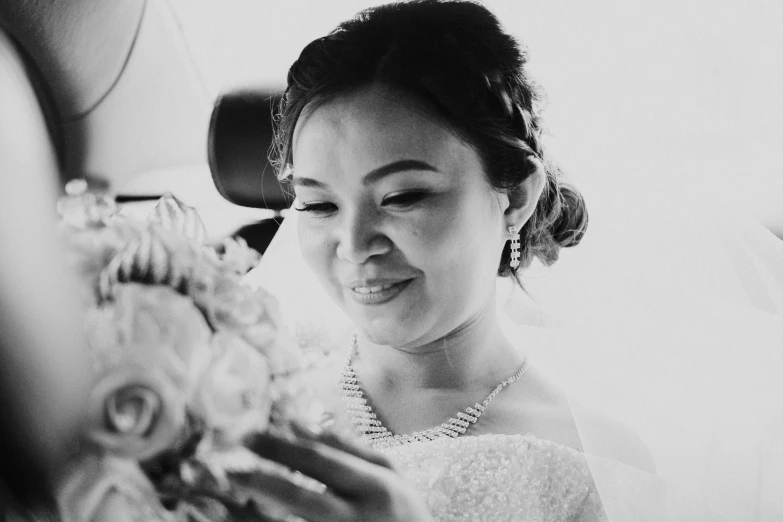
(397, 218)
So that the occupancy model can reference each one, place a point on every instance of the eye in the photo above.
(404, 199)
(322, 208)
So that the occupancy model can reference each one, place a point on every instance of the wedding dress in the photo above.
(669, 322)
(500, 478)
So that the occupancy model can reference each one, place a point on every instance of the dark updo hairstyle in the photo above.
(455, 56)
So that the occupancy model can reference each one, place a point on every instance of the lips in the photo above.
(376, 291)
(367, 289)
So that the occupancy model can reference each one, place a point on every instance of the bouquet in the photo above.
(188, 363)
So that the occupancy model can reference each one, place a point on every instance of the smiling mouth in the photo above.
(378, 293)
(373, 289)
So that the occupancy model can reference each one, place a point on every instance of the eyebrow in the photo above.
(374, 175)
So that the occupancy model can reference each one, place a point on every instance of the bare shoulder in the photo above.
(534, 406)
(539, 407)
(611, 439)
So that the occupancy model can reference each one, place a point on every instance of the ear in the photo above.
(529, 192)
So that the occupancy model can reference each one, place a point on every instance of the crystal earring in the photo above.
(514, 246)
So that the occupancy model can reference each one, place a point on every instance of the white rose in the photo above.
(135, 412)
(234, 395)
(159, 328)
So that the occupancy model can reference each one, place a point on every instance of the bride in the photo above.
(412, 138)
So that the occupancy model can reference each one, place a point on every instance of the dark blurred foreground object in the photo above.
(42, 363)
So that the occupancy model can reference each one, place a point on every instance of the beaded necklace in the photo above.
(375, 433)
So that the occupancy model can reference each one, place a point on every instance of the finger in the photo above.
(342, 443)
(344, 473)
(277, 496)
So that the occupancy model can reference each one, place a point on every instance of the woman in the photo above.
(411, 136)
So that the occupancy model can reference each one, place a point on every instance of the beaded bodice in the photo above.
(500, 478)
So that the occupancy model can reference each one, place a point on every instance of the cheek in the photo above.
(461, 239)
(316, 249)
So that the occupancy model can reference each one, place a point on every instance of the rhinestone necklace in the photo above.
(375, 433)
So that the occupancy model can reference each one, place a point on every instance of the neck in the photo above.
(474, 354)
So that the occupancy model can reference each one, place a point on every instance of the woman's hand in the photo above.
(360, 483)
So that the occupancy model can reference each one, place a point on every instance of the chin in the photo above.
(383, 337)
(389, 331)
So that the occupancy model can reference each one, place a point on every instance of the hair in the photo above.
(455, 56)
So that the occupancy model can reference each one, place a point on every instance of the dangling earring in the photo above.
(514, 246)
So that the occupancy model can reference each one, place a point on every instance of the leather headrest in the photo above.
(27, 141)
(80, 46)
(127, 96)
(240, 135)
(27, 112)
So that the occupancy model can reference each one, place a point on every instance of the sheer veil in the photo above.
(669, 322)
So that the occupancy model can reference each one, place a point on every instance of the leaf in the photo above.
(175, 215)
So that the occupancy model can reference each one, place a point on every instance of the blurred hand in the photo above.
(360, 483)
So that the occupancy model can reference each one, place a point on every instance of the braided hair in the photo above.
(455, 56)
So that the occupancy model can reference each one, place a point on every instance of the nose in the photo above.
(360, 237)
